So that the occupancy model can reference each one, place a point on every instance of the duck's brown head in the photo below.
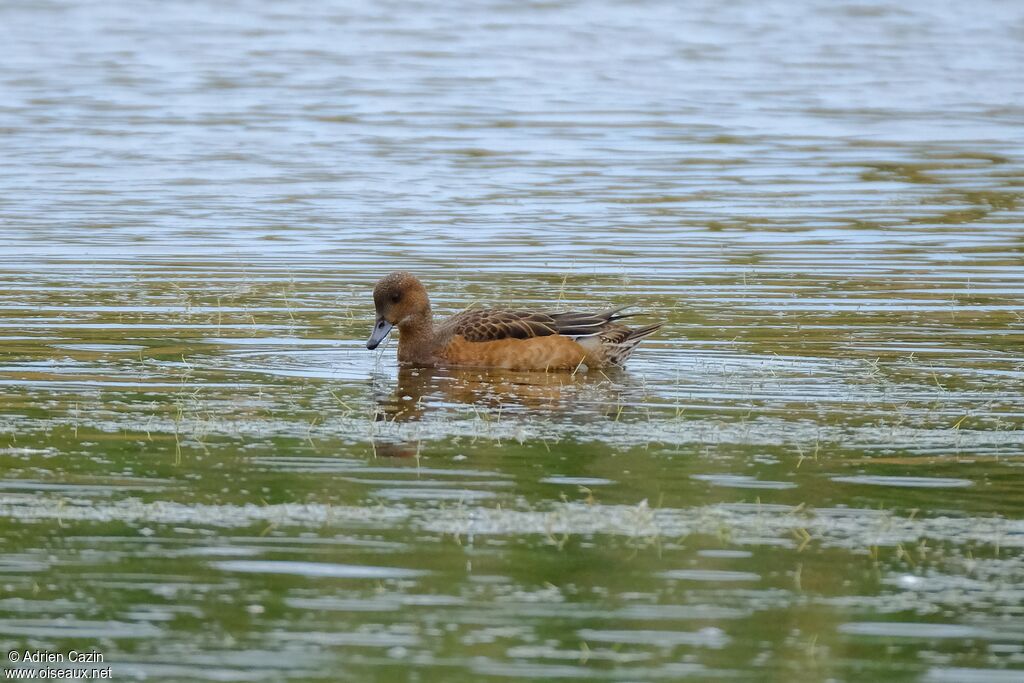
(401, 300)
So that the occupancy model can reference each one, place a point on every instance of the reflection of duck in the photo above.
(488, 338)
(486, 388)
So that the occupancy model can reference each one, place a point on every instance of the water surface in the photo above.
(811, 473)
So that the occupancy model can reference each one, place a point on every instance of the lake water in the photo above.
(813, 472)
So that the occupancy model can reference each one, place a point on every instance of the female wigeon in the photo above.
(512, 340)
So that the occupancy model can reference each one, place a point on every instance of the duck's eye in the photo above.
(395, 298)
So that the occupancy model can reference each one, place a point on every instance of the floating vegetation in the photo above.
(812, 472)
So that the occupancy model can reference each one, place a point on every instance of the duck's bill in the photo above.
(380, 331)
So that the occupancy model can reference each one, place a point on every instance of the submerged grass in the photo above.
(234, 444)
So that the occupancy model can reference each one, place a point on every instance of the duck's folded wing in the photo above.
(492, 324)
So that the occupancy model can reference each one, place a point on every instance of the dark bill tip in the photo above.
(380, 331)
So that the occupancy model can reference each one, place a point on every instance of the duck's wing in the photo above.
(494, 324)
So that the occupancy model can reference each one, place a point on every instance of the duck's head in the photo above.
(399, 299)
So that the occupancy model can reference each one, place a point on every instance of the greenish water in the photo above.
(813, 472)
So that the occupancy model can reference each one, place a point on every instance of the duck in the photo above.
(520, 340)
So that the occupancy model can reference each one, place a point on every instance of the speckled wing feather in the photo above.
(493, 324)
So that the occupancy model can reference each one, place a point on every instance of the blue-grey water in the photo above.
(811, 473)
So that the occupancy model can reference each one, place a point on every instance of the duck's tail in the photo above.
(619, 353)
(616, 343)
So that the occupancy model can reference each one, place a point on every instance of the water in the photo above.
(811, 473)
